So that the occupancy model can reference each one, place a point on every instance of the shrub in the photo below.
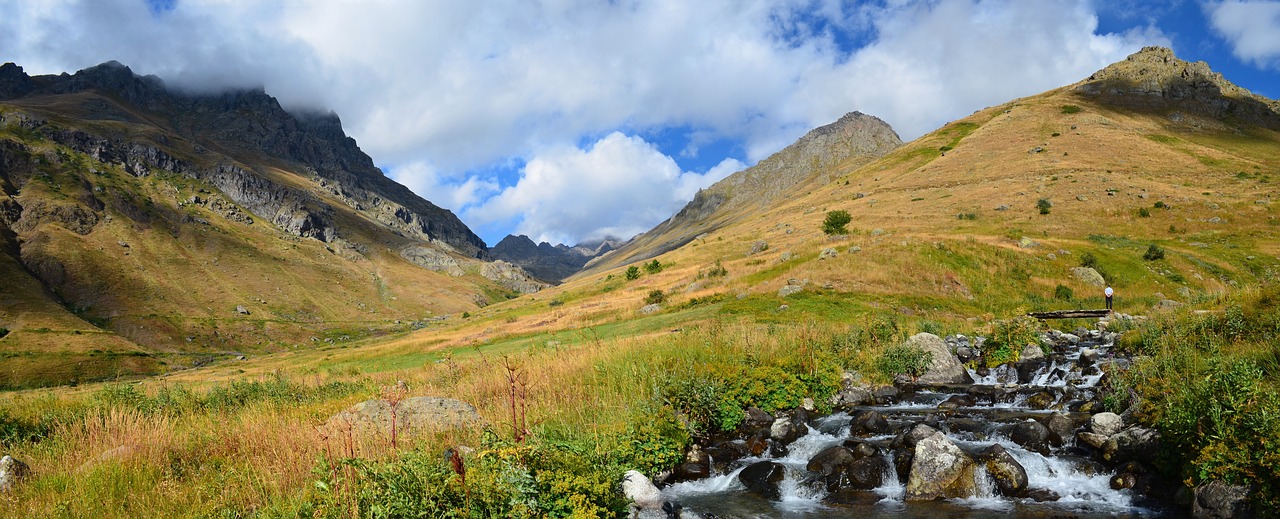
(633, 273)
(653, 267)
(1154, 252)
(836, 222)
(466, 315)
(1070, 109)
(1062, 292)
(3, 332)
(655, 297)
(715, 271)
(554, 303)
(1008, 338)
(967, 216)
(1043, 205)
(1160, 204)
(903, 359)
(1144, 212)
(1089, 260)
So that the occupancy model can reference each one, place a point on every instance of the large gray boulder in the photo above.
(1009, 475)
(12, 472)
(1106, 424)
(413, 415)
(1088, 276)
(642, 493)
(1219, 500)
(939, 470)
(944, 368)
(763, 478)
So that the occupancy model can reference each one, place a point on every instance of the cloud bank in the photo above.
(532, 116)
(1252, 28)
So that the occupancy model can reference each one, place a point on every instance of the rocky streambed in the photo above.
(1027, 438)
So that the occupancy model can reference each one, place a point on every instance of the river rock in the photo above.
(12, 472)
(1106, 424)
(944, 368)
(939, 470)
(831, 464)
(1032, 435)
(1134, 443)
(868, 423)
(1091, 439)
(786, 430)
(1041, 400)
(885, 395)
(1220, 500)
(413, 415)
(852, 396)
(758, 443)
(641, 491)
(762, 478)
(1032, 351)
(1009, 475)
(1060, 427)
(756, 417)
(866, 473)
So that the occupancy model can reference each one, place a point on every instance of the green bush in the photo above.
(1159, 204)
(967, 216)
(3, 332)
(1144, 212)
(653, 267)
(836, 222)
(1008, 338)
(1070, 109)
(655, 297)
(1089, 260)
(1154, 252)
(903, 359)
(1063, 293)
(633, 273)
(1044, 205)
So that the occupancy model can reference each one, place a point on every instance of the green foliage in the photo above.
(1070, 109)
(1144, 212)
(3, 332)
(836, 222)
(633, 273)
(554, 303)
(1063, 293)
(702, 398)
(1089, 260)
(716, 271)
(1008, 339)
(655, 297)
(466, 315)
(1154, 252)
(967, 216)
(903, 359)
(1159, 204)
(652, 267)
(1044, 205)
(654, 442)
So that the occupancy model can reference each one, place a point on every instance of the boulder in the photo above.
(1105, 424)
(757, 417)
(868, 423)
(650, 308)
(944, 368)
(828, 253)
(786, 430)
(852, 396)
(885, 395)
(1061, 429)
(1219, 500)
(1088, 276)
(866, 473)
(762, 478)
(1094, 440)
(789, 290)
(831, 464)
(642, 493)
(422, 413)
(1032, 351)
(1009, 475)
(1134, 443)
(1032, 435)
(12, 472)
(939, 470)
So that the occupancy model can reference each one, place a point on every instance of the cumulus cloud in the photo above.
(618, 186)
(1252, 28)
(444, 90)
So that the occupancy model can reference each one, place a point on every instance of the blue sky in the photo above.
(568, 120)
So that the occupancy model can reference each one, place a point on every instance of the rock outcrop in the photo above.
(550, 263)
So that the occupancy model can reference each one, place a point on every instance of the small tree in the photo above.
(1154, 252)
(653, 267)
(655, 297)
(836, 222)
(1043, 205)
(633, 273)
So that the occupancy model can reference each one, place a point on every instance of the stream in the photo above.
(1003, 407)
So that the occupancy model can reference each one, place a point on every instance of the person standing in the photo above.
(1109, 293)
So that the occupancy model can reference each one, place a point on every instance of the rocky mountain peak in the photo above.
(1154, 78)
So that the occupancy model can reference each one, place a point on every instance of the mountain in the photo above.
(144, 228)
(823, 153)
(550, 263)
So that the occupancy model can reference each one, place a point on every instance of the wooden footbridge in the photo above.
(1069, 314)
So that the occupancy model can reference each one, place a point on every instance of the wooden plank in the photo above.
(1070, 314)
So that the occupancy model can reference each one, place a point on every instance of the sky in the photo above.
(572, 120)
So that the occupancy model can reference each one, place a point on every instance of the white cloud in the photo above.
(1252, 28)
(462, 85)
(618, 186)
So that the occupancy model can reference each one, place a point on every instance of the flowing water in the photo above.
(1080, 485)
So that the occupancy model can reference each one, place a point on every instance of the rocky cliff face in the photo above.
(853, 140)
(550, 263)
(1155, 79)
(240, 126)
